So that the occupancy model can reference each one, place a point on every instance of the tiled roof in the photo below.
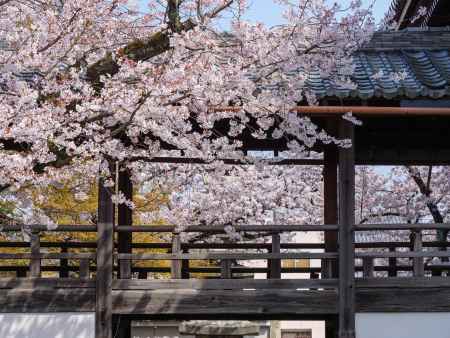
(423, 56)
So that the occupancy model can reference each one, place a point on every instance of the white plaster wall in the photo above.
(403, 325)
(47, 325)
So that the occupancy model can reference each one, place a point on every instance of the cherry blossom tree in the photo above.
(84, 86)
(410, 194)
(230, 195)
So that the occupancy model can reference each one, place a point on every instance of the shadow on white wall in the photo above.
(48, 325)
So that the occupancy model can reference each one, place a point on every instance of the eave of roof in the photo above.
(423, 56)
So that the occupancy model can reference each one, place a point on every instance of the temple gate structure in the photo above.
(403, 123)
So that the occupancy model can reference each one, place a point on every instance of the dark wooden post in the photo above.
(346, 240)
(125, 217)
(35, 262)
(84, 268)
(275, 264)
(368, 267)
(418, 264)
(330, 267)
(392, 262)
(176, 263)
(63, 264)
(225, 269)
(105, 247)
(185, 266)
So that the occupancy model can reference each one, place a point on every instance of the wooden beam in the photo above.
(105, 245)
(222, 284)
(229, 303)
(224, 255)
(346, 237)
(221, 229)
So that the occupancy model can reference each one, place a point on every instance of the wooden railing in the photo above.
(70, 261)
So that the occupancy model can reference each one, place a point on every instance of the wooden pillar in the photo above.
(330, 267)
(176, 263)
(346, 238)
(275, 264)
(105, 246)
(35, 262)
(122, 326)
(125, 217)
(330, 212)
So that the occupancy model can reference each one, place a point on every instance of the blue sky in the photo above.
(268, 12)
(271, 14)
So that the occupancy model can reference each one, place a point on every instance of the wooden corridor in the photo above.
(104, 275)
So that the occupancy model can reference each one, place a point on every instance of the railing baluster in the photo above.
(392, 261)
(84, 268)
(63, 265)
(275, 264)
(368, 267)
(185, 266)
(35, 246)
(225, 269)
(176, 263)
(418, 264)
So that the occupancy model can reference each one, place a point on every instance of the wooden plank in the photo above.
(175, 269)
(225, 302)
(221, 284)
(346, 235)
(404, 282)
(266, 304)
(397, 254)
(58, 228)
(227, 255)
(105, 245)
(403, 300)
(275, 264)
(125, 217)
(35, 262)
(425, 226)
(51, 255)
